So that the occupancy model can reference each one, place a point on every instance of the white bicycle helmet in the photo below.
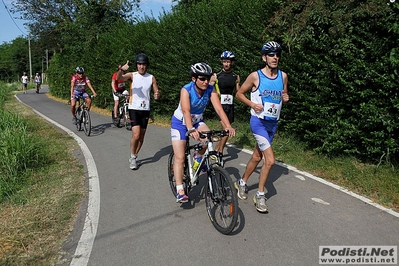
(201, 69)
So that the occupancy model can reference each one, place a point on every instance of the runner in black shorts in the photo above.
(142, 83)
(226, 83)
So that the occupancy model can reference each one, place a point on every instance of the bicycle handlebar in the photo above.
(209, 134)
(213, 133)
(117, 94)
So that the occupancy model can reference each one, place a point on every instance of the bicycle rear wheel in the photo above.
(172, 181)
(126, 120)
(86, 122)
(221, 200)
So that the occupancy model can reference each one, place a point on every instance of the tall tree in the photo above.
(54, 20)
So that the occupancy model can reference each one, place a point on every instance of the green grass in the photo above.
(38, 212)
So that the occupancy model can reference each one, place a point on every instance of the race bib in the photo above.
(271, 110)
(226, 99)
(139, 104)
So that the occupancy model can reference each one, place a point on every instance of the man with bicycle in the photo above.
(118, 87)
(78, 88)
(268, 87)
(194, 98)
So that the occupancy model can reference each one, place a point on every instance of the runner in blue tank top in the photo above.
(194, 97)
(268, 93)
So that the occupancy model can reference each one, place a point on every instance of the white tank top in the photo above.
(140, 92)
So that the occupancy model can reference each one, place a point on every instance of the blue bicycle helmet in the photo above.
(227, 55)
(271, 47)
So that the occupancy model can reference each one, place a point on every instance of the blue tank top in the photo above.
(269, 94)
(197, 103)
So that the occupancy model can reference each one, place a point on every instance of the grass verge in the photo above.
(36, 219)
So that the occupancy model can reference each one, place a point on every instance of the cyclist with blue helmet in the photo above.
(226, 83)
(194, 98)
(268, 87)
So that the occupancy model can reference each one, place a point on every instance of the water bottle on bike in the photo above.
(197, 160)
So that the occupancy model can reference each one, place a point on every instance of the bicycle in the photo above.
(123, 112)
(83, 115)
(220, 195)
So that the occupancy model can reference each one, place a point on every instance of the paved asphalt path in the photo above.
(140, 223)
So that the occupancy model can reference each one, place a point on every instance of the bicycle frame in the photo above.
(123, 112)
(220, 195)
(206, 157)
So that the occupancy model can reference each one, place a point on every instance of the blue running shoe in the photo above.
(181, 197)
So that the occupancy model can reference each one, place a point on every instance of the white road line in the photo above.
(85, 244)
(325, 182)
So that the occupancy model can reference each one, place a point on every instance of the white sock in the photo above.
(178, 187)
(258, 193)
(133, 155)
(242, 183)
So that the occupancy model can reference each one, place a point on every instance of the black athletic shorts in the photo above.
(139, 118)
(229, 110)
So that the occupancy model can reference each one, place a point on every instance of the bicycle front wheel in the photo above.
(78, 115)
(86, 122)
(221, 200)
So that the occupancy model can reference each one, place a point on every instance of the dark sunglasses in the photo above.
(274, 54)
(204, 78)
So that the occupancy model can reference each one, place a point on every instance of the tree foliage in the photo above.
(341, 57)
(61, 21)
(345, 88)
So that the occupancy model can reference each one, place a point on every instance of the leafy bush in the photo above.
(341, 57)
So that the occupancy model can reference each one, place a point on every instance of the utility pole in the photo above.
(30, 59)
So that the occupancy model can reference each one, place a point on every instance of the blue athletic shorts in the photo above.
(82, 94)
(178, 130)
(263, 131)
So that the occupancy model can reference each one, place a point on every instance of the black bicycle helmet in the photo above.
(271, 47)
(227, 55)
(142, 59)
(80, 70)
(201, 69)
